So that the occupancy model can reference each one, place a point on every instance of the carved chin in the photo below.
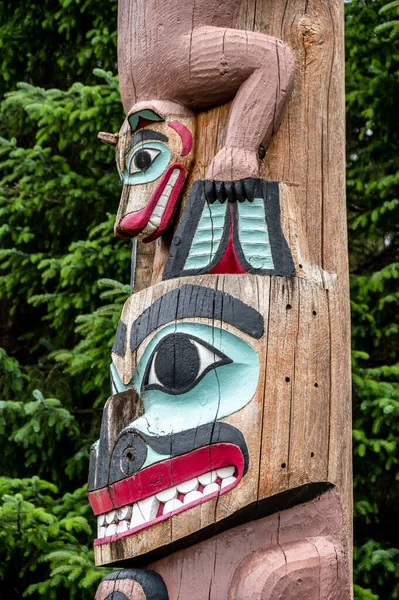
(164, 489)
(151, 221)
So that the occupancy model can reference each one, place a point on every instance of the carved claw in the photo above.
(232, 191)
(132, 584)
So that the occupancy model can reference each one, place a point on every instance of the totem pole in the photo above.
(223, 467)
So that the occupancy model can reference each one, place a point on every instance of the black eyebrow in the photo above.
(143, 135)
(149, 134)
(191, 301)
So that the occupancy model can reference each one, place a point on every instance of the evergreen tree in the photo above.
(64, 278)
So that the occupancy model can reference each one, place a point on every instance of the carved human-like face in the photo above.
(192, 359)
(153, 155)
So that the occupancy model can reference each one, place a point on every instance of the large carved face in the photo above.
(154, 151)
(189, 363)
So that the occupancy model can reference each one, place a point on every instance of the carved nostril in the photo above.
(128, 456)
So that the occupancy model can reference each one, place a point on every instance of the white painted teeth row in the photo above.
(157, 213)
(130, 516)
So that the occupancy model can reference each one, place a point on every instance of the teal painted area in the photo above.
(207, 237)
(223, 391)
(116, 379)
(156, 169)
(254, 234)
(148, 114)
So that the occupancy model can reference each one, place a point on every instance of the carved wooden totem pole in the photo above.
(223, 468)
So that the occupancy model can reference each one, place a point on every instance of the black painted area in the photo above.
(253, 512)
(234, 192)
(116, 596)
(128, 456)
(173, 445)
(149, 134)
(187, 227)
(119, 345)
(120, 409)
(151, 582)
(196, 301)
(176, 363)
(99, 461)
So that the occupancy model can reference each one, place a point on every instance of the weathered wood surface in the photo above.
(298, 552)
(298, 424)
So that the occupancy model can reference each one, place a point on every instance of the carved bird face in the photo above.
(153, 155)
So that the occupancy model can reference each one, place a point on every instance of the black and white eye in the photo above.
(142, 160)
(179, 362)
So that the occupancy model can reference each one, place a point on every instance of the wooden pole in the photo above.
(223, 469)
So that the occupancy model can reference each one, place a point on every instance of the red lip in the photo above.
(161, 476)
(165, 474)
(133, 223)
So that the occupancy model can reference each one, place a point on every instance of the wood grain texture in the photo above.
(298, 552)
(286, 425)
(297, 426)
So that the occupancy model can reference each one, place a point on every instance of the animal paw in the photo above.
(232, 163)
(232, 191)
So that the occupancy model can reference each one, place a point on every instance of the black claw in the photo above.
(220, 191)
(210, 192)
(240, 191)
(230, 188)
(249, 186)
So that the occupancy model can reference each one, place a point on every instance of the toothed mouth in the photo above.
(151, 221)
(164, 489)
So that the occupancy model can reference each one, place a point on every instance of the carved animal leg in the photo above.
(261, 68)
(132, 584)
(310, 569)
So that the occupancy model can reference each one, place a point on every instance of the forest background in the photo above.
(64, 278)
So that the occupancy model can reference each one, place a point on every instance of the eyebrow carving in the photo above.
(144, 135)
(194, 301)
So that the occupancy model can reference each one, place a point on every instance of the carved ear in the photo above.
(142, 118)
(108, 138)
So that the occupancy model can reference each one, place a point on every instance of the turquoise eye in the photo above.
(145, 163)
(191, 374)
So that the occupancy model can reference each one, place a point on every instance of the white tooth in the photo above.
(167, 495)
(228, 481)
(102, 532)
(158, 211)
(209, 489)
(187, 486)
(149, 508)
(225, 472)
(124, 513)
(174, 176)
(153, 224)
(101, 520)
(168, 189)
(122, 527)
(207, 478)
(191, 497)
(110, 517)
(172, 505)
(137, 517)
(111, 529)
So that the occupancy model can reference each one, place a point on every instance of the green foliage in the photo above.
(372, 66)
(391, 26)
(60, 296)
(64, 278)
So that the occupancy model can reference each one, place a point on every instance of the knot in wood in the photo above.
(312, 31)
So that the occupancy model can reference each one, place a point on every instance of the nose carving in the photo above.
(128, 456)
